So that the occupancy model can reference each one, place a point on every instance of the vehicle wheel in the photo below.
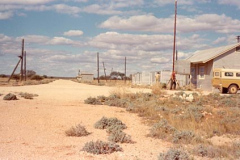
(224, 90)
(232, 89)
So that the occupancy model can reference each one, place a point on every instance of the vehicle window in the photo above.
(216, 74)
(229, 74)
(238, 74)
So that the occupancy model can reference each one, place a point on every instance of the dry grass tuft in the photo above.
(77, 131)
(100, 147)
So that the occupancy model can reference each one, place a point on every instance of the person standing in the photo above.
(157, 77)
(173, 81)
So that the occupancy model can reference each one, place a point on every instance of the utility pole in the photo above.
(22, 57)
(25, 65)
(98, 66)
(174, 42)
(238, 39)
(125, 78)
(104, 71)
(15, 68)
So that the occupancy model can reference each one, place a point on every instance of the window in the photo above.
(216, 74)
(238, 74)
(201, 72)
(229, 74)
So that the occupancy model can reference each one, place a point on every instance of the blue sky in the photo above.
(64, 36)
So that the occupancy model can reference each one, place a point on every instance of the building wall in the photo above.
(229, 60)
(204, 83)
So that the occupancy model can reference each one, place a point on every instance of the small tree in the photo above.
(30, 73)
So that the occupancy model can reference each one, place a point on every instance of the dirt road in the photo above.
(35, 129)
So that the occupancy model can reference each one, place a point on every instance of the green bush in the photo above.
(119, 136)
(77, 131)
(100, 147)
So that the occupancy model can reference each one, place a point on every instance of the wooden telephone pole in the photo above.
(22, 58)
(98, 66)
(104, 71)
(125, 78)
(174, 41)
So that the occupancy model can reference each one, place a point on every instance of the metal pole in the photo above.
(21, 78)
(25, 65)
(125, 70)
(104, 71)
(98, 67)
(175, 26)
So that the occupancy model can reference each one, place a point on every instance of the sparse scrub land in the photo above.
(114, 128)
(27, 95)
(174, 154)
(77, 131)
(100, 147)
(180, 119)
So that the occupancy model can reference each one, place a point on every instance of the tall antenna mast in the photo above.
(174, 42)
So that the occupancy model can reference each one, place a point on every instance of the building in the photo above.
(85, 77)
(148, 78)
(201, 64)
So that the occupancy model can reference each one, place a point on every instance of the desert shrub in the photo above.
(93, 101)
(3, 76)
(1, 94)
(183, 137)
(16, 77)
(102, 98)
(27, 95)
(9, 97)
(100, 147)
(228, 102)
(174, 154)
(36, 77)
(105, 123)
(195, 112)
(158, 89)
(123, 103)
(209, 151)
(161, 130)
(119, 136)
(77, 131)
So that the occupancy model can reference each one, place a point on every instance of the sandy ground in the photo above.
(35, 129)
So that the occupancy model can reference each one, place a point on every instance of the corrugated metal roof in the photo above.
(209, 54)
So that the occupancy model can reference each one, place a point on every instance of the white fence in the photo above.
(148, 78)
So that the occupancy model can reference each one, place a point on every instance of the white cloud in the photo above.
(230, 2)
(181, 2)
(219, 40)
(73, 33)
(61, 41)
(99, 9)
(6, 15)
(160, 60)
(63, 8)
(150, 23)
(25, 2)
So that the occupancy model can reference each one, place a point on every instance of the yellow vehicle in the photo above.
(226, 80)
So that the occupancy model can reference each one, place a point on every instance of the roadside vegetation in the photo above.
(189, 120)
